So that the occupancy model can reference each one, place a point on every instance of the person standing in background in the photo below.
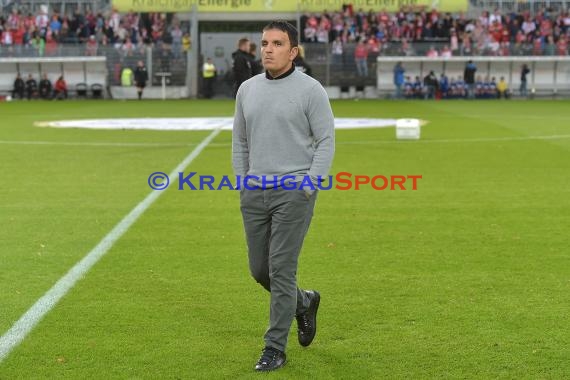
(256, 66)
(399, 79)
(524, 72)
(141, 76)
(209, 76)
(242, 64)
(469, 77)
(361, 59)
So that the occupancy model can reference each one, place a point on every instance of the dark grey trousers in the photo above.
(276, 222)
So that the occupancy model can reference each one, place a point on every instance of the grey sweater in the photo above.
(283, 127)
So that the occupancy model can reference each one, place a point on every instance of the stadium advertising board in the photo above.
(251, 6)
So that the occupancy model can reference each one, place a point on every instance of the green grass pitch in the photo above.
(466, 277)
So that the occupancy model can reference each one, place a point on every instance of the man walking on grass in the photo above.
(283, 139)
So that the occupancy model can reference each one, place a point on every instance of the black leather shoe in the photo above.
(307, 322)
(271, 359)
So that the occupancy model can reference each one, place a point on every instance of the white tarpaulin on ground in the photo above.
(194, 123)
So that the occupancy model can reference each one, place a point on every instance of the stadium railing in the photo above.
(509, 6)
(340, 71)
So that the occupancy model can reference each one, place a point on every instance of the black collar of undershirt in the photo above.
(284, 75)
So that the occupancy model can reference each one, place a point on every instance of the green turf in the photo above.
(467, 277)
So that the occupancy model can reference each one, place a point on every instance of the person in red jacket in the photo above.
(60, 89)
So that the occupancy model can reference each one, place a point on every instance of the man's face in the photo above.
(276, 52)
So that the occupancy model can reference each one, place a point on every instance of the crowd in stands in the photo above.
(546, 32)
(42, 34)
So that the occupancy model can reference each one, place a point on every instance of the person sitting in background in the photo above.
(443, 86)
(461, 87)
(45, 87)
(432, 52)
(19, 87)
(408, 88)
(60, 89)
(503, 89)
(491, 88)
(418, 88)
(91, 46)
(31, 87)
(452, 92)
(486, 88)
(479, 90)
(431, 84)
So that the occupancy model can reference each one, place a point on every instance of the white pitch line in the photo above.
(473, 140)
(23, 326)
(358, 142)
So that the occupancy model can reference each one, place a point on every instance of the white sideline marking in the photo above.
(358, 142)
(103, 144)
(18, 332)
(473, 140)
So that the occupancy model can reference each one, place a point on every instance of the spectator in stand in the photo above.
(19, 87)
(31, 87)
(549, 47)
(562, 45)
(503, 89)
(60, 89)
(176, 35)
(432, 52)
(45, 87)
(495, 17)
(445, 52)
(39, 45)
(361, 59)
(337, 52)
(186, 43)
(399, 79)
(91, 46)
(310, 31)
(454, 42)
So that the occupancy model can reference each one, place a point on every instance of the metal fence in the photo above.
(341, 70)
(519, 6)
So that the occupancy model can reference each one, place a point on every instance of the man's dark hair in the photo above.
(242, 41)
(286, 27)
